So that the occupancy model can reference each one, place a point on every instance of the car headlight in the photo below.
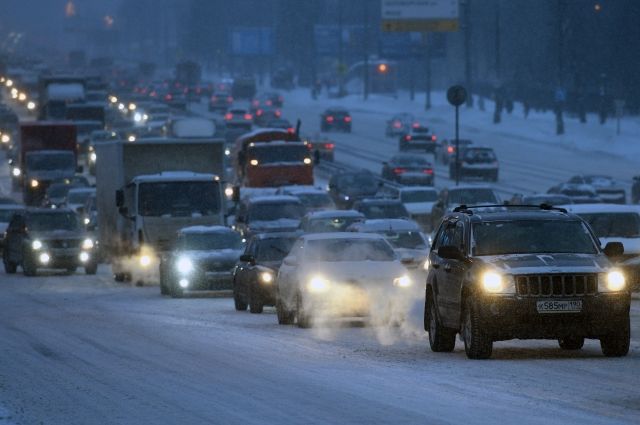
(612, 281)
(35, 183)
(426, 264)
(496, 283)
(87, 244)
(184, 265)
(145, 260)
(93, 157)
(402, 281)
(266, 277)
(16, 172)
(318, 284)
(6, 138)
(36, 245)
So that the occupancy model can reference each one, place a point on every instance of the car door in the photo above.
(245, 271)
(454, 271)
(436, 273)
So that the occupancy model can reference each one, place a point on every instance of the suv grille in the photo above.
(64, 243)
(556, 285)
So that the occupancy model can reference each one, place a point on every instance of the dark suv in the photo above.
(48, 238)
(527, 273)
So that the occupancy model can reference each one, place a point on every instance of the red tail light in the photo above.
(415, 125)
(347, 119)
(278, 113)
(248, 116)
(450, 149)
(153, 94)
(397, 124)
(229, 99)
(168, 97)
(259, 112)
(228, 116)
(329, 146)
(399, 170)
(290, 130)
(428, 171)
(407, 137)
(434, 138)
(329, 118)
(268, 103)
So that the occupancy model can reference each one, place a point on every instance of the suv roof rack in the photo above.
(467, 209)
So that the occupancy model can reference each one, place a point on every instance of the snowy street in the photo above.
(83, 349)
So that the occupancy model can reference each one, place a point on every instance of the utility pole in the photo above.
(560, 91)
(497, 45)
(467, 50)
(500, 92)
(365, 42)
(340, 51)
(427, 39)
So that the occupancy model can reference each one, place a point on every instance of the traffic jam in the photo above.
(210, 240)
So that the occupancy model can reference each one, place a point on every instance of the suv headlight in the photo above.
(266, 277)
(87, 244)
(496, 283)
(318, 284)
(36, 245)
(184, 265)
(613, 281)
(402, 281)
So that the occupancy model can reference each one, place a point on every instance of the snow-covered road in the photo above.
(78, 350)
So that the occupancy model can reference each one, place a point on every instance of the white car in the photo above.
(418, 200)
(612, 223)
(345, 274)
(77, 197)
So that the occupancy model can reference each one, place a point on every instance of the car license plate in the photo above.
(559, 306)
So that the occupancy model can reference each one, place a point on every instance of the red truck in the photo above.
(272, 157)
(47, 153)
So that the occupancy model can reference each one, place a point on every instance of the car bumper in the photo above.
(210, 281)
(514, 317)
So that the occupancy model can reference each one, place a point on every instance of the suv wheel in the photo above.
(571, 343)
(616, 344)
(239, 303)
(9, 266)
(477, 343)
(29, 267)
(176, 291)
(285, 317)
(441, 339)
(302, 319)
(255, 303)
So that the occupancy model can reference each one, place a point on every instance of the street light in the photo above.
(382, 68)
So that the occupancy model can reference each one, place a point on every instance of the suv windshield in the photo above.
(209, 241)
(336, 250)
(274, 249)
(479, 155)
(271, 212)
(50, 221)
(406, 240)
(607, 225)
(472, 197)
(269, 154)
(532, 237)
(50, 161)
(418, 196)
(179, 199)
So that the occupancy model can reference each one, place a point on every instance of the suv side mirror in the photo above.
(290, 261)
(450, 252)
(119, 198)
(248, 258)
(614, 249)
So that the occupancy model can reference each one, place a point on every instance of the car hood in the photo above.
(223, 255)
(419, 207)
(361, 272)
(273, 265)
(549, 263)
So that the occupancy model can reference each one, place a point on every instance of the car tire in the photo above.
(616, 344)
(9, 266)
(285, 317)
(119, 277)
(571, 343)
(239, 304)
(176, 291)
(255, 303)
(441, 339)
(91, 269)
(163, 283)
(28, 267)
(303, 320)
(477, 342)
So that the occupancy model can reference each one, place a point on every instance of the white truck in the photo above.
(148, 190)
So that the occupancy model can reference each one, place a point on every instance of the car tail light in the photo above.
(397, 124)
(290, 130)
(407, 137)
(399, 170)
(280, 99)
(153, 94)
(450, 149)
(278, 113)
(259, 112)
(428, 171)
(228, 116)
(415, 125)
(329, 146)
(168, 97)
(268, 103)
(434, 138)
(229, 99)
(248, 116)
(329, 118)
(347, 119)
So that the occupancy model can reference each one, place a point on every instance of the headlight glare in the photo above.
(36, 245)
(266, 277)
(87, 244)
(613, 281)
(318, 284)
(145, 260)
(402, 281)
(184, 265)
(496, 283)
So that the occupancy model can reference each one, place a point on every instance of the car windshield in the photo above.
(210, 241)
(391, 210)
(337, 250)
(179, 199)
(315, 200)
(6, 214)
(50, 161)
(608, 225)
(532, 237)
(78, 197)
(275, 211)
(273, 249)
(333, 224)
(472, 197)
(278, 153)
(405, 239)
(418, 196)
(50, 221)
(58, 190)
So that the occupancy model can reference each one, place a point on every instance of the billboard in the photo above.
(420, 15)
(251, 41)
